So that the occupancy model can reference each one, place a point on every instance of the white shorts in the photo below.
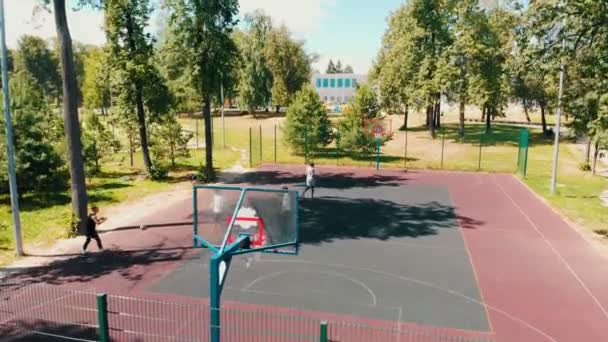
(310, 182)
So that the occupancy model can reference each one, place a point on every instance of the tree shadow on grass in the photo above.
(344, 180)
(331, 218)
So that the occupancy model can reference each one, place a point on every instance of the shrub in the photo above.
(307, 121)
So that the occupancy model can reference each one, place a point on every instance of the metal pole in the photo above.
(442, 145)
(196, 121)
(261, 156)
(378, 141)
(275, 143)
(405, 153)
(12, 177)
(250, 150)
(102, 317)
(558, 119)
(480, 145)
(214, 297)
(222, 108)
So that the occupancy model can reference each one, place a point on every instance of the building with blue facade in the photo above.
(337, 88)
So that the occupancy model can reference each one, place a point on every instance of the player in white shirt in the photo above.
(310, 180)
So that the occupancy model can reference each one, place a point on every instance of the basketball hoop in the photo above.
(377, 128)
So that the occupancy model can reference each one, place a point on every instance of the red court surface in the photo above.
(539, 278)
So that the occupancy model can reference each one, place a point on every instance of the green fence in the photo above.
(522, 155)
(497, 150)
(42, 312)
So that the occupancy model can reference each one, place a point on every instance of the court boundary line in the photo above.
(468, 250)
(431, 285)
(554, 250)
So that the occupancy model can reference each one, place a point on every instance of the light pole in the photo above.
(558, 116)
(222, 109)
(12, 177)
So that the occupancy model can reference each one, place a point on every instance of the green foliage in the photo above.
(307, 121)
(585, 167)
(352, 127)
(331, 67)
(36, 59)
(39, 166)
(159, 172)
(169, 140)
(255, 86)
(98, 143)
(96, 83)
(288, 63)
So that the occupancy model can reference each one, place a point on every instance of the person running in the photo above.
(91, 229)
(310, 180)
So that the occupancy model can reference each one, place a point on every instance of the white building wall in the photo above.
(337, 88)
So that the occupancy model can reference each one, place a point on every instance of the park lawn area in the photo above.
(45, 217)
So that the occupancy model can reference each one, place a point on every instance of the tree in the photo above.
(130, 50)
(289, 65)
(98, 143)
(331, 67)
(307, 122)
(169, 140)
(349, 70)
(96, 84)
(203, 31)
(339, 67)
(398, 63)
(256, 78)
(35, 58)
(70, 114)
(353, 135)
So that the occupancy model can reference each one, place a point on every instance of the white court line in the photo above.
(336, 274)
(554, 250)
(422, 283)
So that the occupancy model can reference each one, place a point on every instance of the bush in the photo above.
(98, 143)
(169, 140)
(39, 166)
(158, 172)
(307, 121)
(585, 167)
(352, 132)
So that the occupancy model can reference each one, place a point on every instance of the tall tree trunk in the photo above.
(428, 117)
(278, 109)
(70, 116)
(461, 117)
(488, 117)
(596, 152)
(131, 150)
(208, 139)
(525, 105)
(143, 134)
(438, 114)
(588, 150)
(483, 113)
(543, 118)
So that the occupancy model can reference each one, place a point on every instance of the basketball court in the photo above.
(470, 254)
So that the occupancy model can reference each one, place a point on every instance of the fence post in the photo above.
(275, 143)
(480, 145)
(405, 153)
(306, 145)
(102, 317)
(250, 150)
(261, 155)
(323, 332)
(442, 145)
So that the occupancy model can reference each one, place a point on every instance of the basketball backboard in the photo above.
(268, 216)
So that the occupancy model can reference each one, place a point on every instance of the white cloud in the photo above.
(301, 17)
(24, 17)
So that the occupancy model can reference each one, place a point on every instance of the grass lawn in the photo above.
(45, 217)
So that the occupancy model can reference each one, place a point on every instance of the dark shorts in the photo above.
(92, 235)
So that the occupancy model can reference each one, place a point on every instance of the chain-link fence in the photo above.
(42, 312)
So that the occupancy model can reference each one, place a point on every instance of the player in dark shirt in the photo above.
(91, 229)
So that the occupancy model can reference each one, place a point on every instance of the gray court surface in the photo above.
(387, 252)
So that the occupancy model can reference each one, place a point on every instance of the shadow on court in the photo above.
(41, 330)
(344, 180)
(329, 218)
(82, 269)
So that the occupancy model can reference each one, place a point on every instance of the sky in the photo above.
(348, 30)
